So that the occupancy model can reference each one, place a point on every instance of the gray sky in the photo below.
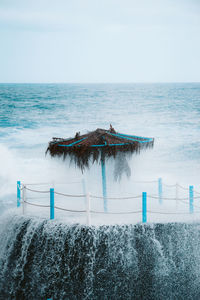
(99, 40)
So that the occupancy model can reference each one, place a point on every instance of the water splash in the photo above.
(41, 259)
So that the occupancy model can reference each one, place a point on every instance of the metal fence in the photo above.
(190, 195)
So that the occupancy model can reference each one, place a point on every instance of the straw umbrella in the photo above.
(98, 146)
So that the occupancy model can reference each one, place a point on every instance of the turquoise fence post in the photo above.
(144, 207)
(51, 204)
(18, 193)
(160, 190)
(191, 198)
(103, 169)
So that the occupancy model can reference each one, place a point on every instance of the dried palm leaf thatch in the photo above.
(96, 145)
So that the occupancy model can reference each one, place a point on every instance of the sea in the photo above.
(115, 256)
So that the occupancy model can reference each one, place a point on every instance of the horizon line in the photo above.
(114, 82)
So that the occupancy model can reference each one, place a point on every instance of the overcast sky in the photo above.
(99, 40)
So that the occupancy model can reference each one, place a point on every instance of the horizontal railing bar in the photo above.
(68, 195)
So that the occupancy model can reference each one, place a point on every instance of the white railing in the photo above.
(187, 200)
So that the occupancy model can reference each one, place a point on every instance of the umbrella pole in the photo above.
(103, 172)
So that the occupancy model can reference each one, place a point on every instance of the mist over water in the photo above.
(118, 258)
(31, 114)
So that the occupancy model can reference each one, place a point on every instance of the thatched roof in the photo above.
(97, 144)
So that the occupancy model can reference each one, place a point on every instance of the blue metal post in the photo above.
(160, 191)
(51, 204)
(18, 193)
(144, 207)
(103, 169)
(191, 198)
